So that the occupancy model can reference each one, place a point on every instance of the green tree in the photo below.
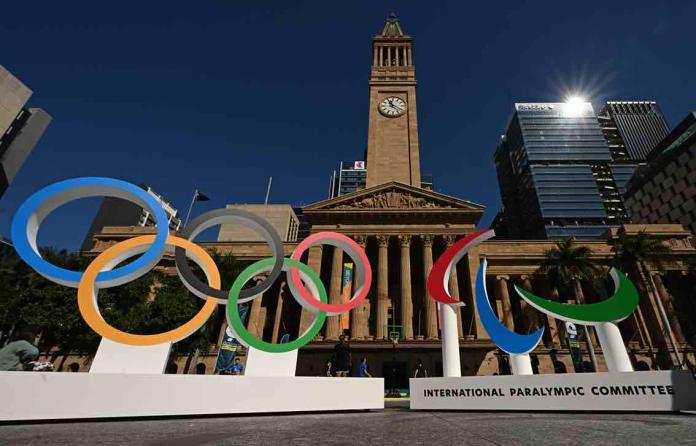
(29, 300)
(153, 303)
(567, 265)
(633, 254)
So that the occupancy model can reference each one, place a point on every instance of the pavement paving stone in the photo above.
(393, 426)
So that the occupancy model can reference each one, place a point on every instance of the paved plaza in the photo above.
(394, 425)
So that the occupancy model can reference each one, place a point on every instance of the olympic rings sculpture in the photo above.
(305, 285)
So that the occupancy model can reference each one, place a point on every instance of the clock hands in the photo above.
(393, 106)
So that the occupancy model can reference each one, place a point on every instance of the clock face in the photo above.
(391, 107)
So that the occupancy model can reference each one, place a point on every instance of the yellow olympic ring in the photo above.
(87, 291)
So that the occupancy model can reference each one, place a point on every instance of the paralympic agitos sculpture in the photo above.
(602, 315)
(305, 285)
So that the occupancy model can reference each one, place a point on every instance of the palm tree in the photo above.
(567, 266)
(637, 251)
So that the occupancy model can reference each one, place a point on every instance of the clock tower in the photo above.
(392, 137)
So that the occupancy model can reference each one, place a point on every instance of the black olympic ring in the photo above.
(216, 217)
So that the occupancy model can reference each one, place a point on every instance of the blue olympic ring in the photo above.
(26, 222)
(507, 340)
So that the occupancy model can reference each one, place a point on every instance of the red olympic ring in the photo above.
(438, 280)
(362, 267)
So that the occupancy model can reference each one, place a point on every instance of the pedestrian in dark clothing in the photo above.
(421, 371)
(343, 357)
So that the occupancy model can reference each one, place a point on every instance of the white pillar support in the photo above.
(613, 348)
(260, 363)
(112, 357)
(521, 364)
(451, 365)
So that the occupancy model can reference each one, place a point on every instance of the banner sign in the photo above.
(229, 347)
(632, 391)
(574, 346)
(346, 291)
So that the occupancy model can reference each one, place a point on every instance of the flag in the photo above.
(200, 196)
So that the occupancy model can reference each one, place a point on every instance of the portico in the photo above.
(401, 227)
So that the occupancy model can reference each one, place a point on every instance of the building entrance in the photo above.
(395, 378)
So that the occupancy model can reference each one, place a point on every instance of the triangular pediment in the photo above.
(394, 196)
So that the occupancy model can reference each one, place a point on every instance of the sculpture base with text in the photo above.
(54, 396)
(664, 391)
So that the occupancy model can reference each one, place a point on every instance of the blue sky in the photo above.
(219, 95)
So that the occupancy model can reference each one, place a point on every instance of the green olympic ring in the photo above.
(237, 326)
(614, 309)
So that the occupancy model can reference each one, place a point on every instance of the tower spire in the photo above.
(392, 28)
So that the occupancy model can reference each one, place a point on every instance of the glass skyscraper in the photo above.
(632, 128)
(556, 174)
(351, 177)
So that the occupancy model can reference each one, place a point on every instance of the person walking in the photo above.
(364, 369)
(343, 357)
(421, 371)
(237, 368)
(19, 351)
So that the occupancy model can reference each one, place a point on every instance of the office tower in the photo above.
(115, 212)
(632, 128)
(556, 174)
(20, 127)
(664, 190)
(351, 177)
(281, 216)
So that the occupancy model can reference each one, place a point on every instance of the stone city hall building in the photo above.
(403, 229)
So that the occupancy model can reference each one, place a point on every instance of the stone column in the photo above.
(360, 315)
(406, 299)
(278, 314)
(397, 50)
(668, 304)
(471, 267)
(333, 323)
(221, 333)
(590, 329)
(374, 56)
(503, 294)
(314, 262)
(429, 304)
(529, 316)
(256, 316)
(389, 56)
(553, 334)
(454, 288)
(382, 287)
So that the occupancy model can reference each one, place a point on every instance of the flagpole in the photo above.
(268, 189)
(188, 214)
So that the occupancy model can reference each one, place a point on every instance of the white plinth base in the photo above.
(112, 357)
(521, 364)
(52, 396)
(667, 391)
(260, 363)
